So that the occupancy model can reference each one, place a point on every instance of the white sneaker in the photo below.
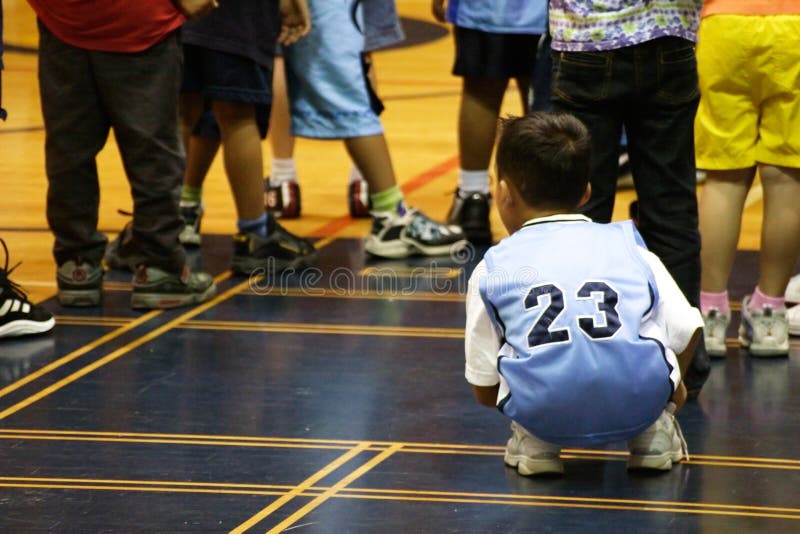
(407, 232)
(530, 455)
(793, 289)
(764, 332)
(716, 326)
(660, 445)
(793, 318)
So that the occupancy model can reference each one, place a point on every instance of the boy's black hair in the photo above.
(547, 156)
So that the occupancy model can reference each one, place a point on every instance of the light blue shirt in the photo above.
(499, 16)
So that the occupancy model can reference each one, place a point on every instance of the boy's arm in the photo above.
(684, 359)
(439, 8)
(194, 9)
(481, 344)
(486, 395)
(295, 21)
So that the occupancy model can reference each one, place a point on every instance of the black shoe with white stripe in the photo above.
(18, 315)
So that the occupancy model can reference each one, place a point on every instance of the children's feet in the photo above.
(358, 199)
(410, 232)
(530, 455)
(192, 213)
(156, 289)
(279, 251)
(470, 211)
(283, 199)
(765, 331)
(80, 283)
(716, 327)
(660, 445)
(18, 315)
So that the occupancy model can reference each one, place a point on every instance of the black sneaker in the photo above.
(412, 233)
(192, 214)
(80, 283)
(157, 289)
(283, 200)
(279, 251)
(18, 315)
(470, 210)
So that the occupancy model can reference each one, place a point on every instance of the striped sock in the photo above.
(388, 200)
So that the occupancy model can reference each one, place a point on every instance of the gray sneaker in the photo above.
(530, 455)
(154, 288)
(80, 283)
(715, 328)
(660, 445)
(765, 331)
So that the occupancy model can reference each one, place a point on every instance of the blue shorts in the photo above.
(381, 24)
(228, 78)
(329, 93)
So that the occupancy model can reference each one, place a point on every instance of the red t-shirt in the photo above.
(109, 25)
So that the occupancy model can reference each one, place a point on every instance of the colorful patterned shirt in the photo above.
(588, 25)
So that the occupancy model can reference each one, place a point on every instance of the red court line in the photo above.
(340, 223)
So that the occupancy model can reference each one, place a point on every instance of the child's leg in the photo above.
(281, 139)
(477, 124)
(371, 155)
(780, 245)
(241, 143)
(720, 219)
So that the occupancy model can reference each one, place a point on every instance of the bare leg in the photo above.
(280, 122)
(241, 144)
(780, 232)
(720, 220)
(477, 121)
(371, 155)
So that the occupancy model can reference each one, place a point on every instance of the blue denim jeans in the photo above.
(651, 90)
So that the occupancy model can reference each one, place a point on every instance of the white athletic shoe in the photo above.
(793, 289)
(716, 326)
(530, 455)
(764, 332)
(660, 445)
(793, 318)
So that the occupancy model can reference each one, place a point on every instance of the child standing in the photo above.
(574, 330)
(495, 42)
(749, 120)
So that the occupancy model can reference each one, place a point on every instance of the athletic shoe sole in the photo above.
(24, 327)
(140, 300)
(533, 466)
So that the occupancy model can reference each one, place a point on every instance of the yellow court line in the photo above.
(321, 493)
(302, 487)
(78, 353)
(408, 447)
(329, 328)
(200, 308)
(343, 483)
(359, 294)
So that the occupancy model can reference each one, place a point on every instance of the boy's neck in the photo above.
(529, 213)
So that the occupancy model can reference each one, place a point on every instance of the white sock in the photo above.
(473, 181)
(282, 170)
(355, 175)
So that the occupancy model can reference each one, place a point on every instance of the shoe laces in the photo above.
(13, 289)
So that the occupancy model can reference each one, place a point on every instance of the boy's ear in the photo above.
(504, 195)
(586, 195)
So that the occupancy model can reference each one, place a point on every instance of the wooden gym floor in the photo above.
(333, 402)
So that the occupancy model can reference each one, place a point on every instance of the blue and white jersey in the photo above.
(568, 299)
(499, 16)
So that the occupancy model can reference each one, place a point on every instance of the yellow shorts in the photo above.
(749, 70)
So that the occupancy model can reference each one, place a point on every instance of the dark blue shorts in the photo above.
(481, 54)
(228, 78)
